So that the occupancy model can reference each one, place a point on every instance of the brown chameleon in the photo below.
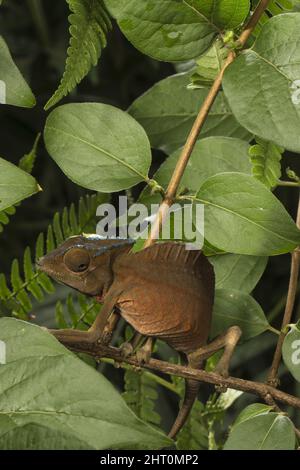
(163, 291)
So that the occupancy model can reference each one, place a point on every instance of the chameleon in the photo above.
(163, 291)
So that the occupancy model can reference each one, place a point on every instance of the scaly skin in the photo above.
(163, 291)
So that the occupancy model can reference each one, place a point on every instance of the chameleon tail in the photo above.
(191, 392)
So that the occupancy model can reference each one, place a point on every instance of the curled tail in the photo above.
(191, 392)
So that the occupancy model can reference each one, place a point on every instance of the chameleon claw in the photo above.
(126, 349)
(143, 356)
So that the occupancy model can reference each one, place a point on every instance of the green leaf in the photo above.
(231, 308)
(267, 431)
(15, 184)
(48, 405)
(266, 166)
(242, 216)
(251, 411)
(210, 156)
(167, 112)
(291, 351)
(238, 272)
(226, 14)
(98, 146)
(262, 85)
(163, 29)
(89, 26)
(26, 163)
(13, 88)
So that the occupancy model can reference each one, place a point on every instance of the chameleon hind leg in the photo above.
(228, 341)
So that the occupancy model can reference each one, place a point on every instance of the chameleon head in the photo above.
(81, 262)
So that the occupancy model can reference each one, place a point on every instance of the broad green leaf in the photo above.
(163, 29)
(227, 14)
(262, 85)
(15, 184)
(98, 146)
(291, 351)
(13, 88)
(50, 399)
(251, 411)
(242, 216)
(210, 156)
(231, 308)
(167, 112)
(266, 162)
(239, 272)
(270, 431)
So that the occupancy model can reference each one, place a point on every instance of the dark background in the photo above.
(38, 46)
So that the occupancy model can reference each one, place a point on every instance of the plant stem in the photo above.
(159, 380)
(257, 388)
(290, 302)
(292, 184)
(197, 126)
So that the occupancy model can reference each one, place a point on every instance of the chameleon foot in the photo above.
(143, 354)
(126, 349)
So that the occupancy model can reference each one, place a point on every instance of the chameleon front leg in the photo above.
(228, 341)
(76, 339)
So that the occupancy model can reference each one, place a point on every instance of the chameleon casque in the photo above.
(163, 291)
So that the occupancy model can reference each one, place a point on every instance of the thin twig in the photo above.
(257, 388)
(186, 152)
(291, 297)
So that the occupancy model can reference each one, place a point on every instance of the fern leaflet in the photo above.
(89, 25)
(266, 162)
(27, 283)
(78, 312)
(141, 394)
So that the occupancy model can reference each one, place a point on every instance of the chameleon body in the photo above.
(163, 291)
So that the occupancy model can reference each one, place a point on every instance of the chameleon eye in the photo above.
(77, 260)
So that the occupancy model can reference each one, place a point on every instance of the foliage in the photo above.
(73, 417)
(266, 158)
(100, 147)
(26, 282)
(89, 25)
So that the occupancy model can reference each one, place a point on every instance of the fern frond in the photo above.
(140, 395)
(26, 163)
(27, 283)
(266, 162)
(89, 25)
(78, 312)
(194, 434)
